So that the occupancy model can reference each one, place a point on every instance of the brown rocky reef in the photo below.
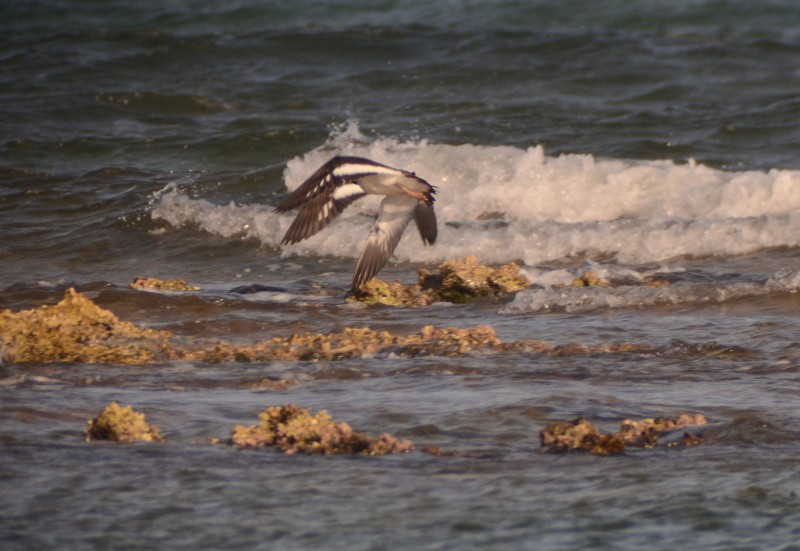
(77, 330)
(293, 429)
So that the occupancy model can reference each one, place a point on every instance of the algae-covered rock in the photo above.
(581, 435)
(437, 451)
(155, 284)
(646, 432)
(378, 291)
(77, 330)
(293, 429)
(465, 280)
(121, 424)
(276, 385)
(453, 281)
(595, 279)
(354, 342)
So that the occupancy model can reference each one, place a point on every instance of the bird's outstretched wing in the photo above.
(327, 192)
(394, 215)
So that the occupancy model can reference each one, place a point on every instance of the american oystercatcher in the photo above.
(342, 180)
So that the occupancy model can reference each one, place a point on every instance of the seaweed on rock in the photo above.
(453, 281)
(581, 435)
(121, 424)
(293, 429)
(155, 284)
(77, 330)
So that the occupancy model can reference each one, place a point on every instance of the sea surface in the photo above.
(640, 141)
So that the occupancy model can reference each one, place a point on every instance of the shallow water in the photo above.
(639, 144)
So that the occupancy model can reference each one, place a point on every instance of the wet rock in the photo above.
(463, 281)
(121, 424)
(378, 291)
(77, 330)
(453, 281)
(293, 429)
(436, 451)
(646, 432)
(155, 284)
(603, 279)
(579, 434)
(590, 279)
(276, 385)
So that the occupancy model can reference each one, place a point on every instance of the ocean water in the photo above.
(639, 141)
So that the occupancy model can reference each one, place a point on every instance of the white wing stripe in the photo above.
(352, 169)
(346, 190)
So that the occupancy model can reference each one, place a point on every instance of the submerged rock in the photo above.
(581, 435)
(591, 279)
(293, 429)
(437, 451)
(453, 281)
(121, 424)
(603, 279)
(155, 284)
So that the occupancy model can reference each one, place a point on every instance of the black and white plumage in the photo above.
(342, 180)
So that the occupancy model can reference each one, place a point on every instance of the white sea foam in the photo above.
(503, 203)
(549, 294)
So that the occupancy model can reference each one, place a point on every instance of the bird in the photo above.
(343, 180)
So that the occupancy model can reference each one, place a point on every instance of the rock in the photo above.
(378, 291)
(454, 281)
(590, 279)
(579, 434)
(121, 424)
(293, 429)
(155, 284)
(77, 330)
(646, 432)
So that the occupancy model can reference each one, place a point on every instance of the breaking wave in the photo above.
(502, 203)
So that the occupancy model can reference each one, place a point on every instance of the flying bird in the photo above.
(343, 180)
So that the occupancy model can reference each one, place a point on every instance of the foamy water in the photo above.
(552, 291)
(503, 203)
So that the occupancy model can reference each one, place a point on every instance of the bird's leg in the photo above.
(414, 194)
